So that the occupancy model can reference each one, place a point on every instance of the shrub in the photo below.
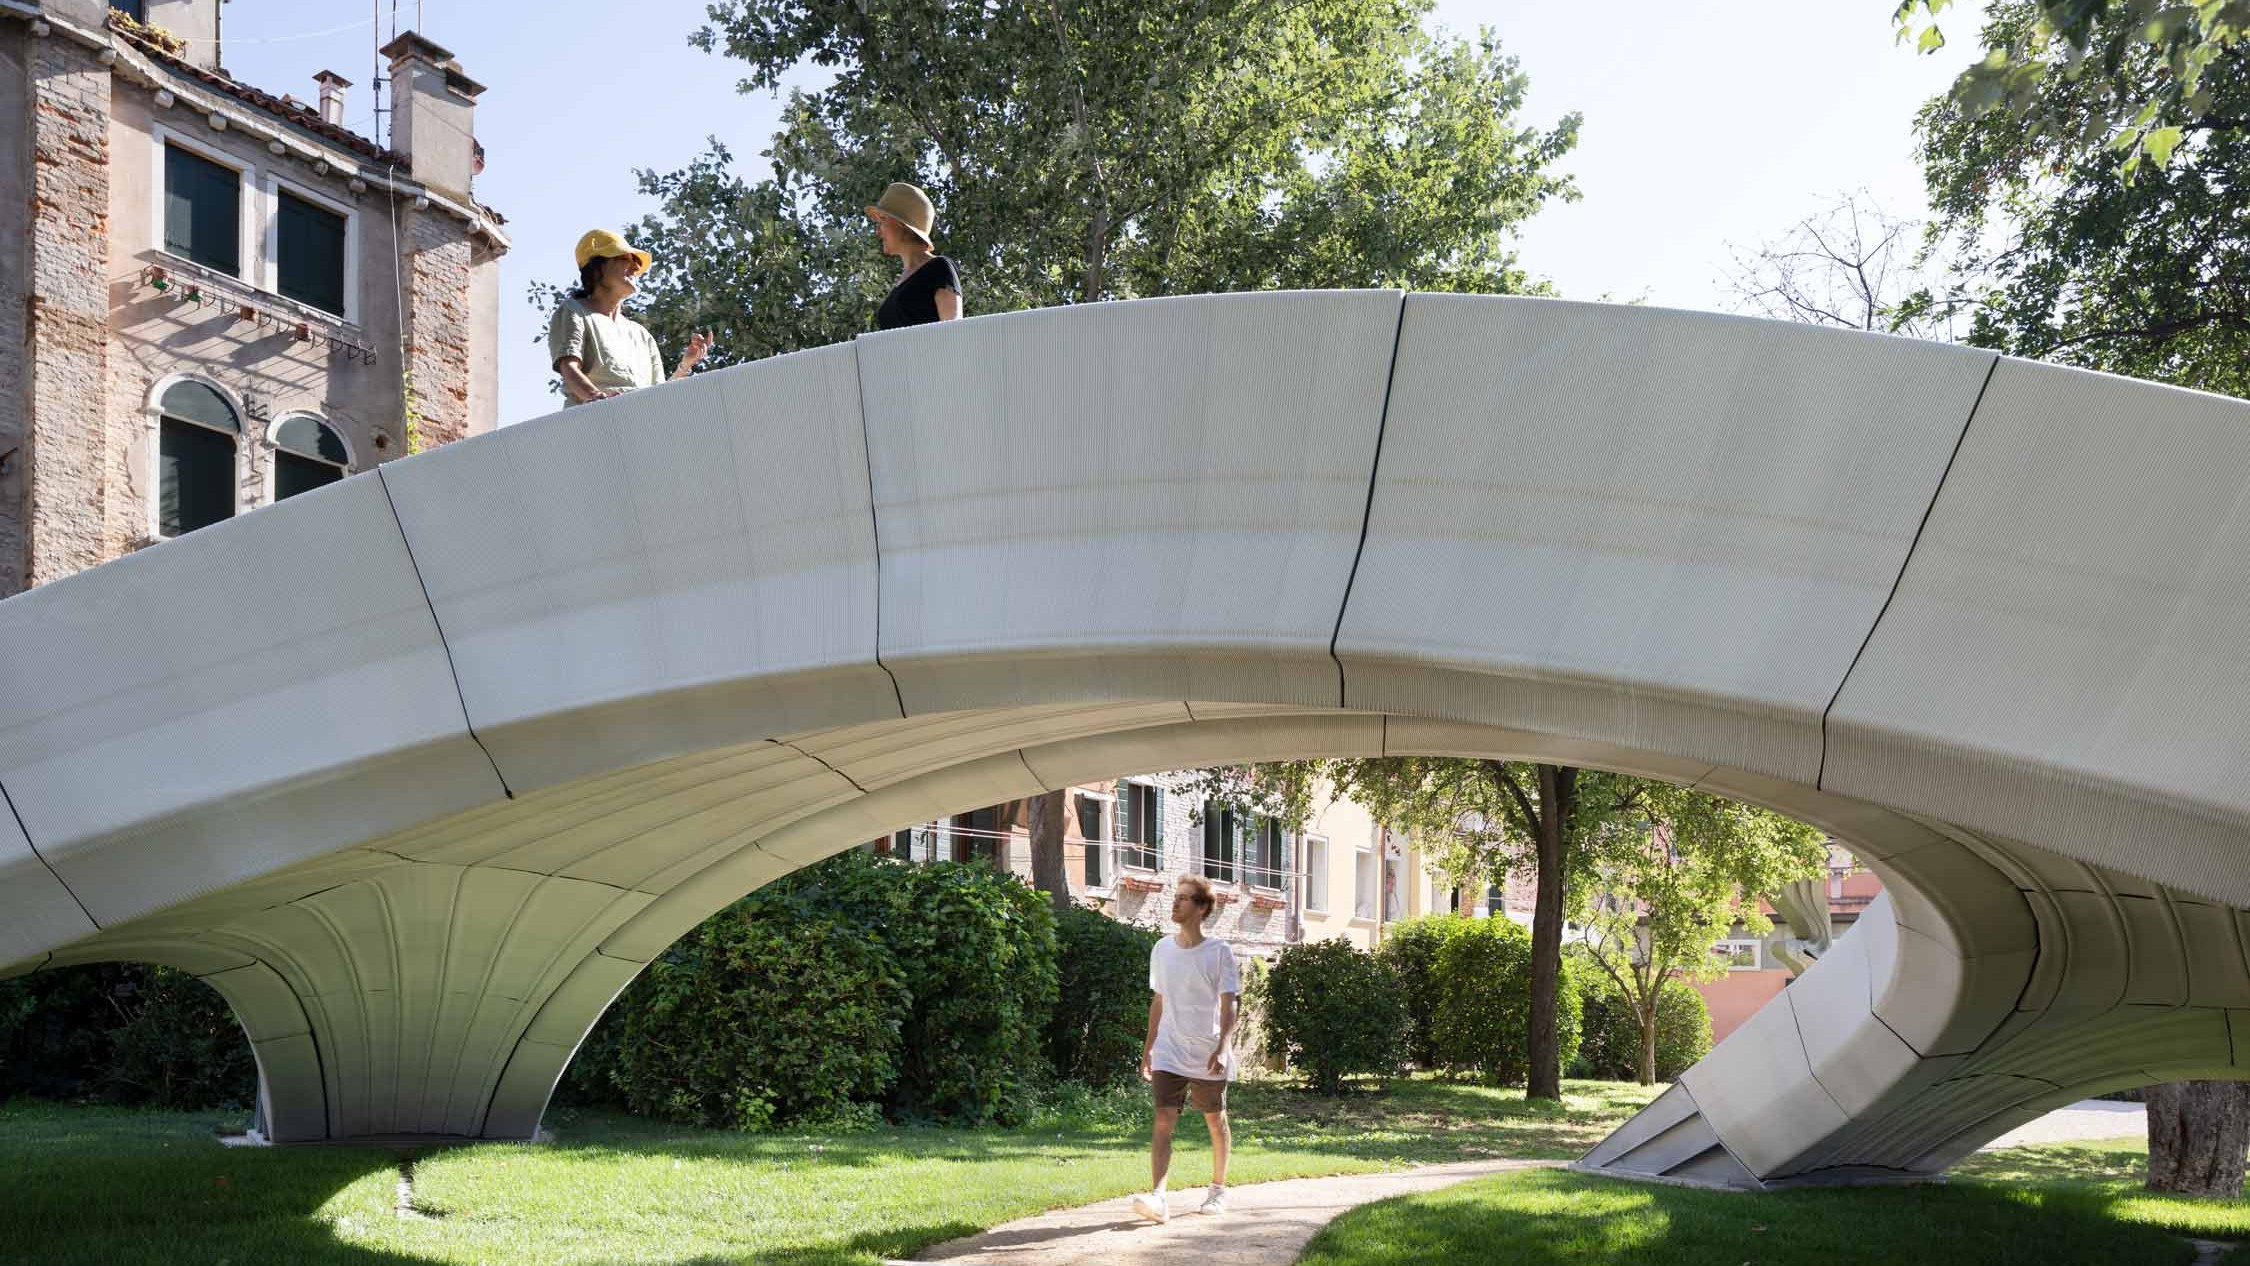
(774, 1010)
(1336, 1010)
(1611, 1049)
(125, 1033)
(1253, 1036)
(1101, 1009)
(1411, 948)
(977, 949)
(970, 949)
(1483, 990)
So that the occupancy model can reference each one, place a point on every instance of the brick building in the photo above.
(1125, 845)
(1127, 842)
(211, 295)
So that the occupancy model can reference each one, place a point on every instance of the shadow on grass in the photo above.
(94, 1185)
(1550, 1218)
(119, 1186)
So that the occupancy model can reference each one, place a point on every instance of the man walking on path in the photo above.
(1189, 1055)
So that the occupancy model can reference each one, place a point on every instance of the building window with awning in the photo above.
(197, 432)
(308, 454)
(202, 211)
(309, 253)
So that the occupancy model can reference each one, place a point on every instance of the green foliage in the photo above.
(774, 1010)
(2075, 73)
(1483, 986)
(1101, 1010)
(1080, 151)
(123, 1033)
(978, 948)
(2063, 245)
(1611, 1047)
(1253, 1034)
(1337, 1010)
(1410, 947)
(855, 982)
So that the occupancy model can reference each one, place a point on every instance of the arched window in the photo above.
(307, 454)
(195, 482)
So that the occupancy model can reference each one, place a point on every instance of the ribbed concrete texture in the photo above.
(419, 769)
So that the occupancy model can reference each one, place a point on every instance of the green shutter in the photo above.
(1153, 832)
(293, 474)
(312, 438)
(310, 247)
(202, 211)
(194, 476)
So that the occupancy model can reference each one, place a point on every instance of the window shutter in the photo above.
(202, 211)
(195, 478)
(310, 253)
(293, 474)
(1152, 831)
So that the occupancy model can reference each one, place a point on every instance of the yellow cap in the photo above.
(604, 244)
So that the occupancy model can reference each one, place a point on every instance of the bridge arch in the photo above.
(436, 755)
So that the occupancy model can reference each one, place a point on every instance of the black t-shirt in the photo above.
(913, 301)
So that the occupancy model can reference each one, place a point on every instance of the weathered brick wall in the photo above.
(66, 340)
(440, 327)
(15, 259)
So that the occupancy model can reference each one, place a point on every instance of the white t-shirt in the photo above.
(1190, 981)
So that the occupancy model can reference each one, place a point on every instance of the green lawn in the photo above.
(2076, 1203)
(90, 1185)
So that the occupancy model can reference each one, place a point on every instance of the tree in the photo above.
(2066, 244)
(2074, 73)
(1482, 818)
(1850, 265)
(1044, 818)
(1078, 150)
(2198, 1135)
(2062, 247)
(1663, 894)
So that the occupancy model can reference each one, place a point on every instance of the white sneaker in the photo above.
(1152, 1205)
(1215, 1201)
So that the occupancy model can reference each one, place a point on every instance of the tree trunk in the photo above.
(2198, 1132)
(1556, 786)
(1047, 872)
(1646, 1014)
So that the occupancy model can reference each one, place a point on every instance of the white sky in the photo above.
(1705, 124)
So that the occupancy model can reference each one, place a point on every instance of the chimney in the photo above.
(433, 114)
(196, 21)
(332, 87)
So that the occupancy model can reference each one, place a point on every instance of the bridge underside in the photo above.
(419, 769)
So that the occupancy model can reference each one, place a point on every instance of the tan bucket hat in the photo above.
(908, 205)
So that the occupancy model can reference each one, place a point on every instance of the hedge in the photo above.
(1483, 987)
(772, 1011)
(1411, 947)
(1337, 1010)
(124, 1033)
(1611, 1050)
(973, 950)
(1101, 1010)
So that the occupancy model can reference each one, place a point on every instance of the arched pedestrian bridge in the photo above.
(418, 770)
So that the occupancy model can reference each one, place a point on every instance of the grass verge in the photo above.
(107, 1186)
(2077, 1203)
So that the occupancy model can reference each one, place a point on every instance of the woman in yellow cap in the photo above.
(929, 287)
(599, 351)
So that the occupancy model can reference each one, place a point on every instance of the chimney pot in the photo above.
(332, 86)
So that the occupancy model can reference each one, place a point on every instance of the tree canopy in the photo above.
(1088, 149)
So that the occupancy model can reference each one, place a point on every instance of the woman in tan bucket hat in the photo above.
(929, 288)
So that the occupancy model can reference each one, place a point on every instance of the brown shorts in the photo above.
(1173, 1091)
